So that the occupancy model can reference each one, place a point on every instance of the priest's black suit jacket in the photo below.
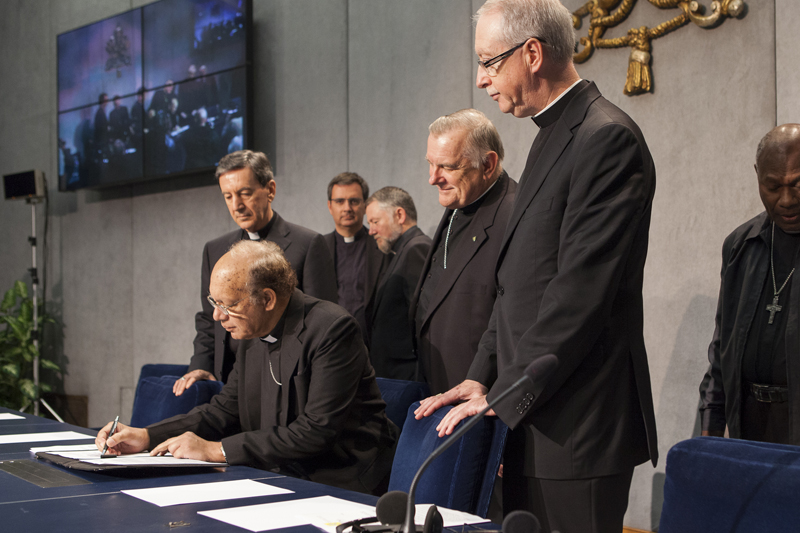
(447, 335)
(306, 252)
(391, 342)
(326, 421)
(569, 282)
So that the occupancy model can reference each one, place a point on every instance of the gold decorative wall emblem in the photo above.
(606, 14)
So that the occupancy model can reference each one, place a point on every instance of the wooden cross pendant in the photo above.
(773, 308)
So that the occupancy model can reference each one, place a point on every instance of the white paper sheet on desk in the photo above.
(134, 459)
(325, 512)
(205, 492)
(43, 437)
(9, 416)
(65, 448)
(451, 518)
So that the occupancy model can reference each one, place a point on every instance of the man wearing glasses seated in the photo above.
(302, 398)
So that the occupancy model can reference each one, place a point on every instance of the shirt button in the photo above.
(500, 291)
(429, 275)
(434, 259)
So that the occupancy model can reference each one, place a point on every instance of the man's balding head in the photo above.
(253, 283)
(778, 170)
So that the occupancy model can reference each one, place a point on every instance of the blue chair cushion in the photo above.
(715, 484)
(155, 401)
(454, 479)
(399, 394)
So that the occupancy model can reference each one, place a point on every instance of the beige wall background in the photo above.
(352, 85)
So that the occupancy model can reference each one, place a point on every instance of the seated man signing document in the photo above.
(302, 397)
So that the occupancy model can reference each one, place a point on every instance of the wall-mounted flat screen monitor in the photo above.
(162, 90)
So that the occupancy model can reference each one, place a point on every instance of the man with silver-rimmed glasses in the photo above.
(302, 398)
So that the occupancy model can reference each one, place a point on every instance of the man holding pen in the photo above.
(301, 399)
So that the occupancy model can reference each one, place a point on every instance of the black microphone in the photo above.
(391, 508)
(521, 522)
(539, 370)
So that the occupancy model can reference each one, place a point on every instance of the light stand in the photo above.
(35, 288)
(31, 186)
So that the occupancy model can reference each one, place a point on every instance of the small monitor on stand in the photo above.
(24, 185)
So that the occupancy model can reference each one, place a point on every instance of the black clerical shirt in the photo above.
(351, 274)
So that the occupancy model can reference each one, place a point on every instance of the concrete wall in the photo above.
(352, 85)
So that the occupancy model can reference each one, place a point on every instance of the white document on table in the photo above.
(451, 518)
(65, 448)
(92, 456)
(325, 512)
(9, 416)
(205, 492)
(43, 437)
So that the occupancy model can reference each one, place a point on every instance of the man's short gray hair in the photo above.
(548, 20)
(255, 161)
(266, 268)
(482, 136)
(394, 197)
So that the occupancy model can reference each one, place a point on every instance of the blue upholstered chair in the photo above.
(461, 478)
(715, 484)
(154, 400)
(399, 394)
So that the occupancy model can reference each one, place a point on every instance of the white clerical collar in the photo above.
(254, 236)
(486, 191)
(348, 240)
(559, 97)
(269, 338)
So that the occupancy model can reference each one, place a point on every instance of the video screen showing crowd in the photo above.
(194, 123)
(131, 107)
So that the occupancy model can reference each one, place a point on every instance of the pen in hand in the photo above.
(113, 429)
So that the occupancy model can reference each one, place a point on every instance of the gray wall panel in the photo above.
(409, 64)
(304, 78)
(787, 56)
(169, 232)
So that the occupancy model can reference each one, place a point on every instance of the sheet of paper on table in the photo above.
(205, 492)
(10, 416)
(92, 456)
(65, 448)
(324, 512)
(43, 437)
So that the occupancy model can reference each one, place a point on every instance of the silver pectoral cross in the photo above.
(773, 308)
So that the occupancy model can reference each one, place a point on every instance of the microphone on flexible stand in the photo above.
(539, 370)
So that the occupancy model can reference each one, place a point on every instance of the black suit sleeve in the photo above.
(484, 366)
(608, 196)
(712, 390)
(203, 357)
(330, 382)
(319, 272)
(210, 421)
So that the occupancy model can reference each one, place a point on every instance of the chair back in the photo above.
(399, 395)
(715, 484)
(462, 478)
(154, 400)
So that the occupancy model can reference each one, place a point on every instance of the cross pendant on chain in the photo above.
(773, 308)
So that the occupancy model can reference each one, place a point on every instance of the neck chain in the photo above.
(447, 237)
(774, 307)
(269, 358)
